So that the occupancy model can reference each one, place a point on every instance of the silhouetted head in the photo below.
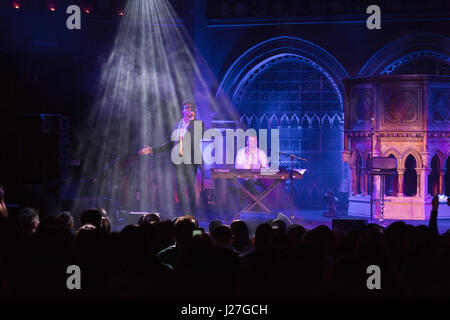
(222, 236)
(295, 233)
(28, 220)
(192, 218)
(183, 229)
(92, 216)
(396, 235)
(66, 218)
(241, 236)
(89, 240)
(165, 234)
(321, 240)
(263, 235)
(132, 241)
(106, 223)
(153, 217)
(239, 229)
(213, 225)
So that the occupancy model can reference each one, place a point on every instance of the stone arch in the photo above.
(295, 121)
(415, 154)
(391, 181)
(435, 163)
(327, 118)
(411, 186)
(396, 154)
(398, 64)
(264, 117)
(307, 119)
(273, 119)
(440, 155)
(244, 121)
(364, 154)
(256, 56)
(354, 157)
(315, 117)
(253, 122)
(336, 118)
(358, 174)
(284, 121)
(402, 47)
(366, 163)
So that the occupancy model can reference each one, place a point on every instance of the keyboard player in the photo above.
(250, 157)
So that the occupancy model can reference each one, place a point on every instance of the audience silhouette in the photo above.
(163, 259)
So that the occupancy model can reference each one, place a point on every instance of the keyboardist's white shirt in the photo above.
(251, 160)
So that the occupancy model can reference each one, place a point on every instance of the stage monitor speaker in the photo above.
(284, 218)
(346, 225)
(134, 216)
(383, 163)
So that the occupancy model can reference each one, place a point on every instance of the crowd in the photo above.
(172, 259)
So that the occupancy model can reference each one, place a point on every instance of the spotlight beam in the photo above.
(152, 67)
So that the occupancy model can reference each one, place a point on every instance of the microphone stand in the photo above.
(372, 131)
(291, 177)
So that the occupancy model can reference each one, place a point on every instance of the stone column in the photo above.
(366, 182)
(400, 180)
(362, 179)
(353, 180)
(422, 178)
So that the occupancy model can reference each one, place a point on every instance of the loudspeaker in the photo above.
(43, 148)
(282, 217)
(134, 216)
(383, 163)
(346, 225)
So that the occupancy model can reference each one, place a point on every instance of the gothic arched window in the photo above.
(421, 62)
(391, 183)
(447, 177)
(293, 94)
(410, 178)
(433, 177)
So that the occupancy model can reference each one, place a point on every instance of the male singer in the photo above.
(185, 172)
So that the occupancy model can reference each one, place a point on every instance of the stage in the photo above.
(307, 218)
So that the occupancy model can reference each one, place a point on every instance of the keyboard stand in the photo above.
(257, 199)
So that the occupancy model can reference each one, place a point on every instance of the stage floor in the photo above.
(314, 218)
(307, 218)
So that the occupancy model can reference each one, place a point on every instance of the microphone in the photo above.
(292, 156)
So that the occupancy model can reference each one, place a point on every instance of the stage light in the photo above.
(16, 5)
(151, 69)
(52, 5)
